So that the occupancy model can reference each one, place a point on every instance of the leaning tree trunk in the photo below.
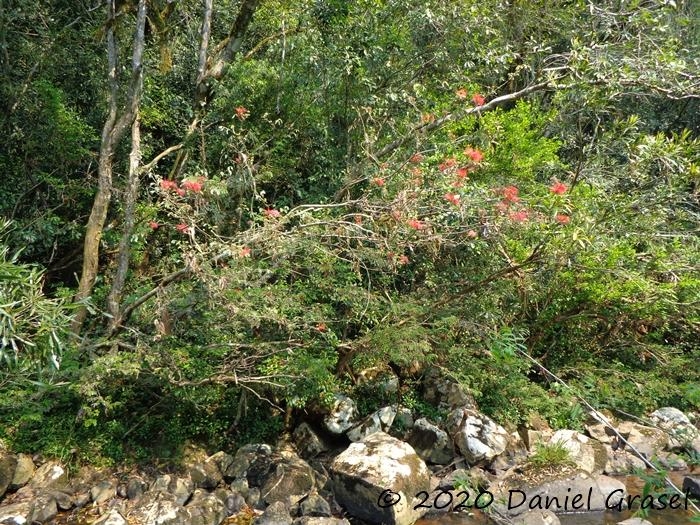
(113, 130)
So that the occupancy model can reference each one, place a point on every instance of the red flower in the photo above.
(457, 184)
(474, 154)
(416, 171)
(562, 218)
(462, 172)
(416, 224)
(192, 186)
(478, 99)
(403, 259)
(558, 188)
(472, 234)
(358, 219)
(461, 93)
(182, 227)
(245, 252)
(180, 192)
(449, 163)
(272, 213)
(519, 216)
(154, 225)
(321, 327)
(168, 185)
(242, 112)
(378, 181)
(426, 118)
(452, 198)
(510, 194)
(416, 158)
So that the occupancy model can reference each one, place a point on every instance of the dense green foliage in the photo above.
(347, 196)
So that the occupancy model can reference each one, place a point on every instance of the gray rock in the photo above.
(366, 469)
(102, 492)
(342, 416)
(135, 488)
(404, 419)
(623, 463)
(691, 485)
(308, 442)
(537, 517)
(63, 500)
(45, 509)
(81, 499)
(379, 421)
(205, 509)
(113, 517)
(181, 488)
(159, 508)
(205, 475)
(431, 443)
(445, 392)
(315, 506)
(8, 463)
(50, 475)
(289, 479)
(477, 436)
(223, 461)
(587, 454)
(383, 378)
(233, 501)
(634, 521)
(275, 514)
(240, 486)
(677, 424)
(16, 514)
(245, 456)
(254, 499)
(24, 471)
(671, 461)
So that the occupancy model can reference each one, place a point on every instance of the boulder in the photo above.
(207, 474)
(587, 454)
(342, 415)
(634, 521)
(691, 485)
(445, 392)
(649, 441)
(315, 506)
(16, 514)
(159, 508)
(102, 492)
(275, 514)
(623, 463)
(135, 488)
(404, 419)
(309, 520)
(682, 432)
(233, 501)
(308, 442)
(379, 421)
(24, 471)
(180, 488)
(431, 443)
(205, 509)
(376, 470)
(245, 456)
(63, 500)
(288, 479)
(50, 475)
(381, 378)
(478, 437)
(8, 462)
(44, 510)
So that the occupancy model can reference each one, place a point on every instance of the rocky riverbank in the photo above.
(389, 467)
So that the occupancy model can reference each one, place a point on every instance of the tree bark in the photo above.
(113, 130)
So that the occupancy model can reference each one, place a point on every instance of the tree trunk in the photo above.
(112, 133)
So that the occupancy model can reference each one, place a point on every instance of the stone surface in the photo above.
(366, 469)
(444, 392)
(431, 443)
(308, 441)
(379, 421)
(691, 484)
(478, 437)
(634, 521)
(315, 506)
(275, 514)
(8, 462)
(102, 492)
(342, 415)
(45, 509)
(135, 488)
(24, 471)
(288, 479)
(50, 475)
(16, 514)
(205, 509)
(245, 456)
(308, 520)
(159, 508)
(113, 517)
(180, 488)
(587, 454)
(677, 424)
